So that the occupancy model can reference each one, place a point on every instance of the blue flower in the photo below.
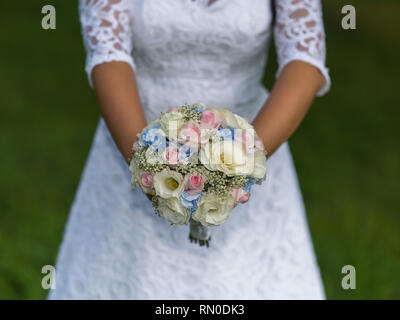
(190, 201)
(248, 185)
(154, 137)
(160, 144)
(227, 133)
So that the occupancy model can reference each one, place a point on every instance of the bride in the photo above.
(146, 55)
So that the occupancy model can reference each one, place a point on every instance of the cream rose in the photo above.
(171, 123)
(227, 156)
(260, 165)
(212, 211)
(168, 184)
(172, 210)
(228, 118)
(246, 138)
(242, 123)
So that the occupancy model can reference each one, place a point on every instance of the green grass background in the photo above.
(346, 151)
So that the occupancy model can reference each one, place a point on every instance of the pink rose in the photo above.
(146, 182)
(209, 120)
(189, 135)
(240, 196)
(171, 155)
(193, 183)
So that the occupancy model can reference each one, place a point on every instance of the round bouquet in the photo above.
(196, 163)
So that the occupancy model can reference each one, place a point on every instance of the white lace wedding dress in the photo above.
(114, 246)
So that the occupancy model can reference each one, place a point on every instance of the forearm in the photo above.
(288, 103)
(119, 101)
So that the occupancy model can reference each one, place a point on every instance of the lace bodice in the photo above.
(203, 39)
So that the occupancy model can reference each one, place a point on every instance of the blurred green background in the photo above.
(346, 151)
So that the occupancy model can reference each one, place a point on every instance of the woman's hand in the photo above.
(288, 103)
(120, 105)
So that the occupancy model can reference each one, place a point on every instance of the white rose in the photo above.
(206, 135)
(242, 122)
(260, 165)
(212, 211)
(168, 184)
(227, 156)
(172, 210)
(171, 123)
(247, 132)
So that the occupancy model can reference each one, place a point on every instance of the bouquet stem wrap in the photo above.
(199, 233)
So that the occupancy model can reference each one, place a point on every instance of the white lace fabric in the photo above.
(107, 32)
(114, 246)
(299, 32)
(299, 35)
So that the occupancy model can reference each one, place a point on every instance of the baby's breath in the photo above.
(217, 183)
(191, 167)
(220, 184)
(190, 112)
(142, 163)
(237, 182)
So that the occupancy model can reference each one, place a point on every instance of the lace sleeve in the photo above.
(299, 35)
(107, 34)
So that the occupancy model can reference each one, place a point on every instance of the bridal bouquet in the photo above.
(197, 163)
